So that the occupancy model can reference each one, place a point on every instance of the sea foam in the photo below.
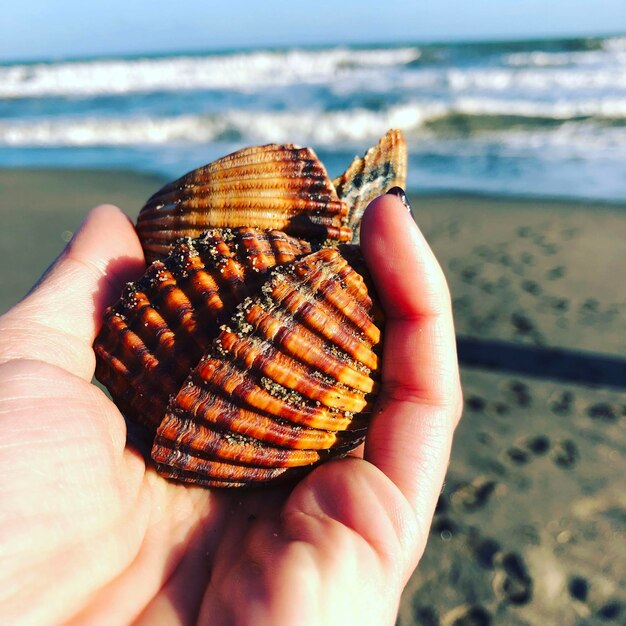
(549, 115)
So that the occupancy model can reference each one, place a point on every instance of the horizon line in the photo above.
(205, 51)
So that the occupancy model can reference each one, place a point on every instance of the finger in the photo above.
(58, 320)
(411, 434)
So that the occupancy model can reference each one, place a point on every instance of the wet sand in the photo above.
(531, 524)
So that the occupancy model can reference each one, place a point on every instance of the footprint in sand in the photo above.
(462, 303)
(578, 588)
(484, 252)
(519, 456)
(505, 259)
(603, 411)
(560, 304)
(555, 273)
(519, 393)
(527, 258)
(498, 409)
(565, 453)
(512, 580)
(474, 495)
(469, 274)
(611, 611)
(532, 287)
(523, 324)
(538, 445)
(589, 312)
(489, 287)
(562, 403)
(426, 616)
(476, 404)
(486, 551)
(550, 249)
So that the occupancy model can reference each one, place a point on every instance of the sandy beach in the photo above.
(531, 524)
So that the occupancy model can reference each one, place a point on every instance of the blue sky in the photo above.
(35, 29)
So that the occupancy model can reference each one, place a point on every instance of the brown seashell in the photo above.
(269, 187)
(383, 166)
(272, 186)
(164, 322)
(290, 379)
(288, 383)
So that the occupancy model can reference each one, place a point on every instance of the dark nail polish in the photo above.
(399, 192)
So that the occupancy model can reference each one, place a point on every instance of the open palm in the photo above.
(90, 535)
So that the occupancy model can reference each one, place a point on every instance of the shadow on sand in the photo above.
(542, 362)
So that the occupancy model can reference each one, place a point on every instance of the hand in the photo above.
(89, 535)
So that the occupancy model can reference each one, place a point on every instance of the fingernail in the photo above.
(399, 192)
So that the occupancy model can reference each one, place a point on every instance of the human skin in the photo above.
(90, 534)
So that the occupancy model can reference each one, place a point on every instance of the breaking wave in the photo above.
(546, 115)
(463, 117)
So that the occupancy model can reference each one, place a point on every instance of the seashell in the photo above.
(163, 323)
(246, 374)
(383, 166)
(288, 383)
(280, 187)
(268, 187)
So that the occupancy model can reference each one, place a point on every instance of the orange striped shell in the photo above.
(272, 187)
(288, 383)
(158, 330)
(291, 377)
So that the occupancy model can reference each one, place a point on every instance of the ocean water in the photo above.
(532, 118)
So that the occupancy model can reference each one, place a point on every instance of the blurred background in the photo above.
(515, 117)
(524, 99)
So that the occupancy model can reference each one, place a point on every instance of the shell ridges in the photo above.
(250, 349)
(383, 166)
(268, 187)
(159, 329)
(288, 412)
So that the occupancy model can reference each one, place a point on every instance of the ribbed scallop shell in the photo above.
(163, 323)
(288, 383)
(272, 187)
(268, 187)
(383, 166)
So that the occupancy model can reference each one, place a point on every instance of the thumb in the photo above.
(58, 320)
